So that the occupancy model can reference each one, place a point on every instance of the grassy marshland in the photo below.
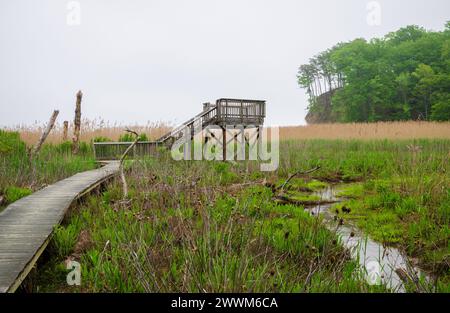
(209, 226)
(198, 227)
(19, 176)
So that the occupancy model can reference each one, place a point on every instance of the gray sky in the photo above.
(139, 61)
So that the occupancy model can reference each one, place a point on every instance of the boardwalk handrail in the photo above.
(113, 150)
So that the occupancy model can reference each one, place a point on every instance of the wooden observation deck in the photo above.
(224, 112)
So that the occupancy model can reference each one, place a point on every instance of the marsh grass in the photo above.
(90, 130)
(189, 229)
(397, 212)
(65, 237)
(13, 193)
(207, 226)
(405, 130)
(399, 191)
(19, 177)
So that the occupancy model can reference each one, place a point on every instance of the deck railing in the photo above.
(114, 150)
(240, 111)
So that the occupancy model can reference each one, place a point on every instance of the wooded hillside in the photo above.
(404, 75)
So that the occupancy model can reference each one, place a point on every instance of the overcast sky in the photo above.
(159, 60)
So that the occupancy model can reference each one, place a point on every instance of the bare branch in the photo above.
(296, 174)
(122, 158)
(132, 131)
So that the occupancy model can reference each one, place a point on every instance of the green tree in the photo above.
(404, 75)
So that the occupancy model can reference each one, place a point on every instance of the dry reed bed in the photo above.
(368, 131)
(91, 129)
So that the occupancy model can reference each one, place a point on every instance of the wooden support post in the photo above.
(259, 141)
(95, 152)
(191, 141)
(65, 130)
(242, 112)
(224, 143)
(77, 124)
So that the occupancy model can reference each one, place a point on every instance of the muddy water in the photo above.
(380, 263)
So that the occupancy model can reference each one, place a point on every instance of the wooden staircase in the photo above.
(204, 118)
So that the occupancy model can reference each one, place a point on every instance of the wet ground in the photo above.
(382, 264)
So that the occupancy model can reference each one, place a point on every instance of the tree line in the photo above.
(403, 76)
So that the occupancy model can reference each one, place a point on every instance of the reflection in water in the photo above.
(379, 262)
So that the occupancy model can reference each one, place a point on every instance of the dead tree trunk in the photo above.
(65, 130)
(32, 151)
(47, 130)
(77, 124)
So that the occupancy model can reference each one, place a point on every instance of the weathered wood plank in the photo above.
(26, 225)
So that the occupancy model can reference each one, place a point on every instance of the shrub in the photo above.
(101, 139)
(65, 238)
(224, 173)
(11, 142)
(130, 137)
(65, 147)
(13, 193)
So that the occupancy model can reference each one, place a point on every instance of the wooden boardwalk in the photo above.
(26, 225)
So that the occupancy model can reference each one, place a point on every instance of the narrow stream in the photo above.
(379, 262)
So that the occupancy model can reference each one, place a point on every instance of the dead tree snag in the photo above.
(77, 124)
(47, 130)
(65, 131)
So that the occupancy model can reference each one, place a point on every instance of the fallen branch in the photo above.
(410, 278)
(296, 174)
(406, 279)
(122, 158)
(283, 199)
